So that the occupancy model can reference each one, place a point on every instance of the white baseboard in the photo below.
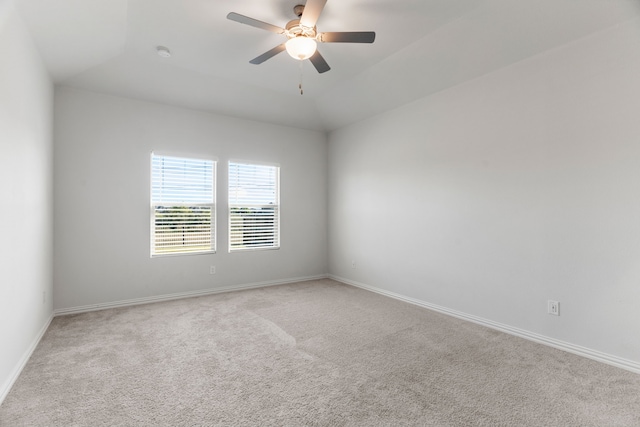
(6, 387)
(609, 359)
(180, 295)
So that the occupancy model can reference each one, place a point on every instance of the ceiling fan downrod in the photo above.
(298, 10)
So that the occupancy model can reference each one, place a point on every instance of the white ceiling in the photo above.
(421, 47)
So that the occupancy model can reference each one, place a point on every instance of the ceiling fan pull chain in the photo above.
(300, 84)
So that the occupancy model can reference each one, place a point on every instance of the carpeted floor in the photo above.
(315, 353)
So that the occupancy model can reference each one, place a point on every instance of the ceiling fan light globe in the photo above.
(301, 47)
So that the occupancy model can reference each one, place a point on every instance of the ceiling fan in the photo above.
(303, 36)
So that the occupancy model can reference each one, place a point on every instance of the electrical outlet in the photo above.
(553, 307)
(212, 269)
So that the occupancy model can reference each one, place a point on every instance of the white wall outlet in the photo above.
(353, 264)
(553, 307)
(212, 269)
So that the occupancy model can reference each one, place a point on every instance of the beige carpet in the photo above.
(308, 354)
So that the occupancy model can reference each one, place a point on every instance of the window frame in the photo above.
(277, 205)
(212, 205)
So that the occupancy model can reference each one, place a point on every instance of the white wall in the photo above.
(102, 156)
(26, 171)
(494, 196)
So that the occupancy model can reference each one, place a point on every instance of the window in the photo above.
(254, 207)
(183, 209)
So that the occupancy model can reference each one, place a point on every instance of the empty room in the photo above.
(320, 213)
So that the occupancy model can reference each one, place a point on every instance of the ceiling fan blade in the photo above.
(348, 37)
(254, 23)
(312, 11)
(318, 61)
(268, 54)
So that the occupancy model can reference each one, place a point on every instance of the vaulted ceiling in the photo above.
(421, 47)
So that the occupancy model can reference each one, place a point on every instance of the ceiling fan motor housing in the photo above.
(294, 29)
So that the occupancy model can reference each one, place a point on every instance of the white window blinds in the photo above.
(182, 205)
(254, 206)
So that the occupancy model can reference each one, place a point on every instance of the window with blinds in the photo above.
(254, 207)
(182, 205)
